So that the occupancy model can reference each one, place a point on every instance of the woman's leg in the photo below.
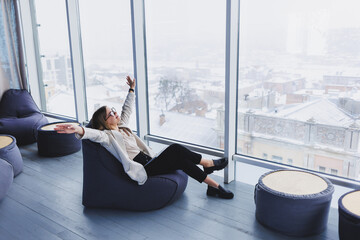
(209, 181)
(206, 162)
(177, 157)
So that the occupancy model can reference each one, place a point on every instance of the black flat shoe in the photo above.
(218, 165)
(219, 192)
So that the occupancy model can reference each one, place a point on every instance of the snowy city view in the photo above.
(298, 78)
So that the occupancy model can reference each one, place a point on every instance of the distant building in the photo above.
(57, 74)
(57, 69)
(341, 80)
(285, 84)
(315, 135)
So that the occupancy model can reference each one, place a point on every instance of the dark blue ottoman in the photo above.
(9, 152)
(295, 203)
(53, 144)
(6, 177)
(349, 216)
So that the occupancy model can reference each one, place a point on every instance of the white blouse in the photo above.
(131, 146)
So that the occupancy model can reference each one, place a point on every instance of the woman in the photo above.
(111, 131)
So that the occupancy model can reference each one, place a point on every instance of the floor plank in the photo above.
(44, 202)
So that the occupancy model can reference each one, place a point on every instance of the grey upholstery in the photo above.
(349, 216)
(12, 155)
(6, 177)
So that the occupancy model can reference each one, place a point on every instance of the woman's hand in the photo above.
(69, 128)
(131, 83)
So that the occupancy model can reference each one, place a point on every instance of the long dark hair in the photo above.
(98, 119)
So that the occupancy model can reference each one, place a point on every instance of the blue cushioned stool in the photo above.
(53, 144)
(9, 152)
(295, 203)
(6, 177)
(349, 216)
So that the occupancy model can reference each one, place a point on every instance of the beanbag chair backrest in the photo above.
(19, 116)
(17, 103)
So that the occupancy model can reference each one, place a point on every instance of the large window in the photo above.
(107, 50)
(55, 57)
(299, 83)
(186, 69)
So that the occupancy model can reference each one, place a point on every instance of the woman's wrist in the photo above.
(80, 130)
(131, 90)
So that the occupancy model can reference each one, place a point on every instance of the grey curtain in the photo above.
(11, 53)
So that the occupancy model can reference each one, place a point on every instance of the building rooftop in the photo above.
(322, 111)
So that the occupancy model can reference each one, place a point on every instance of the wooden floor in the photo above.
(44, 202)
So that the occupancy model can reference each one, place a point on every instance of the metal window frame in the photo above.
(31, 52)
(231, 85)
(191, 146)
(77, 61)
(28, 22)
(340, 181)
(140, 66)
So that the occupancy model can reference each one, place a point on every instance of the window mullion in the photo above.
(77, 59)
(140, 68)
(231, 78)
(32, 56)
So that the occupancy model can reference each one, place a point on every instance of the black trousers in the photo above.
(177, 157)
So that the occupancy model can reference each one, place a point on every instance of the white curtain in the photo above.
(11, 54)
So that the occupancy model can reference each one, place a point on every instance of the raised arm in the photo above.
(129, 102)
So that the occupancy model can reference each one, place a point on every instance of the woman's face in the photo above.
(112, 117)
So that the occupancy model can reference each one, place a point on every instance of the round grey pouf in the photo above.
(10, 152)
(53, 144)
(349, 216)
(295, 203)
(6, 177)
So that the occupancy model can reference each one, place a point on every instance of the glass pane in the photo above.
(55, 56)
(186, 69)
(299, 83)
(107, 50)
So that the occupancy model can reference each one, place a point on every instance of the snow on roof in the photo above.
(322, 111)
(188, 128)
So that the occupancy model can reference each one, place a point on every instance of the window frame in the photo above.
(140, 72)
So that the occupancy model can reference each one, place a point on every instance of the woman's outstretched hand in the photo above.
(131, 83)
(69, 128)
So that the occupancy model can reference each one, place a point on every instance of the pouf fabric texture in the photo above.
(6, 177)
(53, 144)
(106, 185)
(349, 216)
(11, 153)
(19, 116)
(293, 214)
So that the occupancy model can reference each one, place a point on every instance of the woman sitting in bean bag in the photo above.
(111, 132)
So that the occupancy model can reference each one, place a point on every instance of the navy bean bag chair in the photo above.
(349, 216)
(295, 203)
(53, 144)
(106, 185)
(19, 116)
(10, 152)
(6, 177)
